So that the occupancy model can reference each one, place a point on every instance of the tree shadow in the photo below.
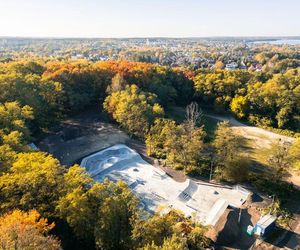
(234, 234)
(284, 238)
(256, 198)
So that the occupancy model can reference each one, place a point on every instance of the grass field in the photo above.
(178, 114)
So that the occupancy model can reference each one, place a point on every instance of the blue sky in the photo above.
(149, 18)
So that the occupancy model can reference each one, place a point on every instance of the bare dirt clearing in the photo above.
(262, 138)
(81, 136)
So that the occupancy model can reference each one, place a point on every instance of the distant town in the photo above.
(210, 53)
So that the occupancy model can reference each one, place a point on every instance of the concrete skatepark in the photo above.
(203, 201)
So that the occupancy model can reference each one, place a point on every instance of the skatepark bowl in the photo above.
(204, 201)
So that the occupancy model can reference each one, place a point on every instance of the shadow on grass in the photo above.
(284, 238)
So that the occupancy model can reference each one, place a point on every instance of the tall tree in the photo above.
(231, 165)
(157, 136)
(134, 109)
(184, 147)
(193, 115)
(279, 158)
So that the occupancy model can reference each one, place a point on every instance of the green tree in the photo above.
(135, 110)
(117, 214)
(13, 118)
(7, 157)
(156, 228)
(172, 243)
(102, 213)
(279, 158)
(226, 143)
(74, 205)
(157, 135)
(231, 165)
(235, 169)
(153, 232)
(184, 147)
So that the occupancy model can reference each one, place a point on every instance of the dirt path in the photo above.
(262, 137)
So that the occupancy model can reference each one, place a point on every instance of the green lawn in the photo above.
(178, 114)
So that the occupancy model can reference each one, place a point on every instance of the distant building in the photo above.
(232, 65)
(33, 146)
(243, 66)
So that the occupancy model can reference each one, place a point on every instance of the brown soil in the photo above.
(229, 233)
(81, 136)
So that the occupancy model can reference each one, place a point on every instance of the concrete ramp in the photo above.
(216, 211)
(188, 192)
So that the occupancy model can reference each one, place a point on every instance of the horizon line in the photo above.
(150, 37)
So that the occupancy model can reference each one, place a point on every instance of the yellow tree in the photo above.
(33, 182)
(239, 106)
(26, 231)
(219, 65)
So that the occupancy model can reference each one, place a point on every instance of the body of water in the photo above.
(280, 42)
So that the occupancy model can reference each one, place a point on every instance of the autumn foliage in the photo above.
(26, 230)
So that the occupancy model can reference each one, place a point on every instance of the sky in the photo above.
(149, 18)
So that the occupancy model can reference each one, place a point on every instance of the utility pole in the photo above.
(240, 213)
(272, 204)
(211, 168)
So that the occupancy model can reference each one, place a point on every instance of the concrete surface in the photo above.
(206, 203)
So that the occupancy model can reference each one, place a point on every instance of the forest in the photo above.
(54, 205)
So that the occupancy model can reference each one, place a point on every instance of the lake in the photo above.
(280, 42)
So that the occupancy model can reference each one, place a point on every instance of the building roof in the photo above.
(266, 221)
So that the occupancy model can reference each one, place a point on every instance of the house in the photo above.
(232, 65)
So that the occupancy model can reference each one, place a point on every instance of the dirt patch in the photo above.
(230, 233)
(81, 136)
(294, 178)
(262, 138)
